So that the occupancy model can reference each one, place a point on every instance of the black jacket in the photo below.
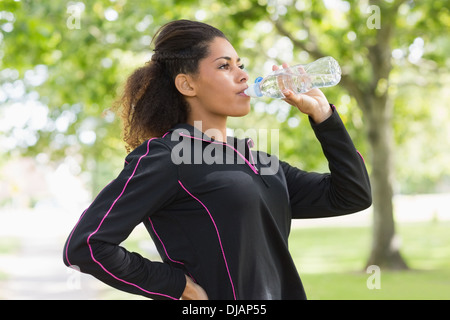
(219, 213)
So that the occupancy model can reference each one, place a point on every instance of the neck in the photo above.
(214, 127)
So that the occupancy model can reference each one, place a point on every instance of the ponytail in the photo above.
(151, 104)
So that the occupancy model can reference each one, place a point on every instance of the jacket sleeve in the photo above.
(147, 183)
(346, 189)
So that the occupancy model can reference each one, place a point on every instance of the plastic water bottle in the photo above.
(324, 72)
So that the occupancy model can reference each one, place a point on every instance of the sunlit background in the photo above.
(62, 64)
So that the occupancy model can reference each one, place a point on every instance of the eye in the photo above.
(225, 66)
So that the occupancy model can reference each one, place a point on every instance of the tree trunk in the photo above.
(385, 243)
(378, 111)
(373, 98)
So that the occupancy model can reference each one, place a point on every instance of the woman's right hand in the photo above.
(193, 291)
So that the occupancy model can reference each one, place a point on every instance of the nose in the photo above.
(243, 76)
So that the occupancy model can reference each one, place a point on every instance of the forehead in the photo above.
(221, 47)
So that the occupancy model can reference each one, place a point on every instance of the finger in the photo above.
(301, 70)
(300, 101)
(291, 97)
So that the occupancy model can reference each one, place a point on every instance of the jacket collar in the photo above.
(186, 129)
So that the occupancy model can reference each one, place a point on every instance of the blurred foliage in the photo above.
(70, 59)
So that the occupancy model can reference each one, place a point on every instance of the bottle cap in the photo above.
(254, 90)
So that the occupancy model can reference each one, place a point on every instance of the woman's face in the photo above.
(220, 82)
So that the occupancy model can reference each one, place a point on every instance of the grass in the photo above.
(8, 245)
(331, 263)
(404, 285)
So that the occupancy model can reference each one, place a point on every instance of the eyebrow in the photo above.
(228, 58)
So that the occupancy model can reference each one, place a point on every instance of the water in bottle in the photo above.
(324, 72)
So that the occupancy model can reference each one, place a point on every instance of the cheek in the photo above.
(216, 94)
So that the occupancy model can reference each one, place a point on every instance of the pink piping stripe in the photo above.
(250, 151)
(73, 230)
(165, 250)
(218, 236)
(165, 134)
(101, 222)
(164, 247)
(361, 156)
(225, 144)
(70, 238)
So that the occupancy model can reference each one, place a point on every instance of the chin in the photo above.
(241, 111)
(239, 114)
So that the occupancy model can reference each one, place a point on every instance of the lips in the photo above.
(242, 93)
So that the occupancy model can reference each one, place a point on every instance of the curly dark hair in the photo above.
(151, 104)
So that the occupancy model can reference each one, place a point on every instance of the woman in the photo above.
(220, 225)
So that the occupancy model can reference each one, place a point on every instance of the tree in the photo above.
(371, 93)
(80, 53)
(70, 58)
(361, 36)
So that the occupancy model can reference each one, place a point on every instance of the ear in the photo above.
(184, 84)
